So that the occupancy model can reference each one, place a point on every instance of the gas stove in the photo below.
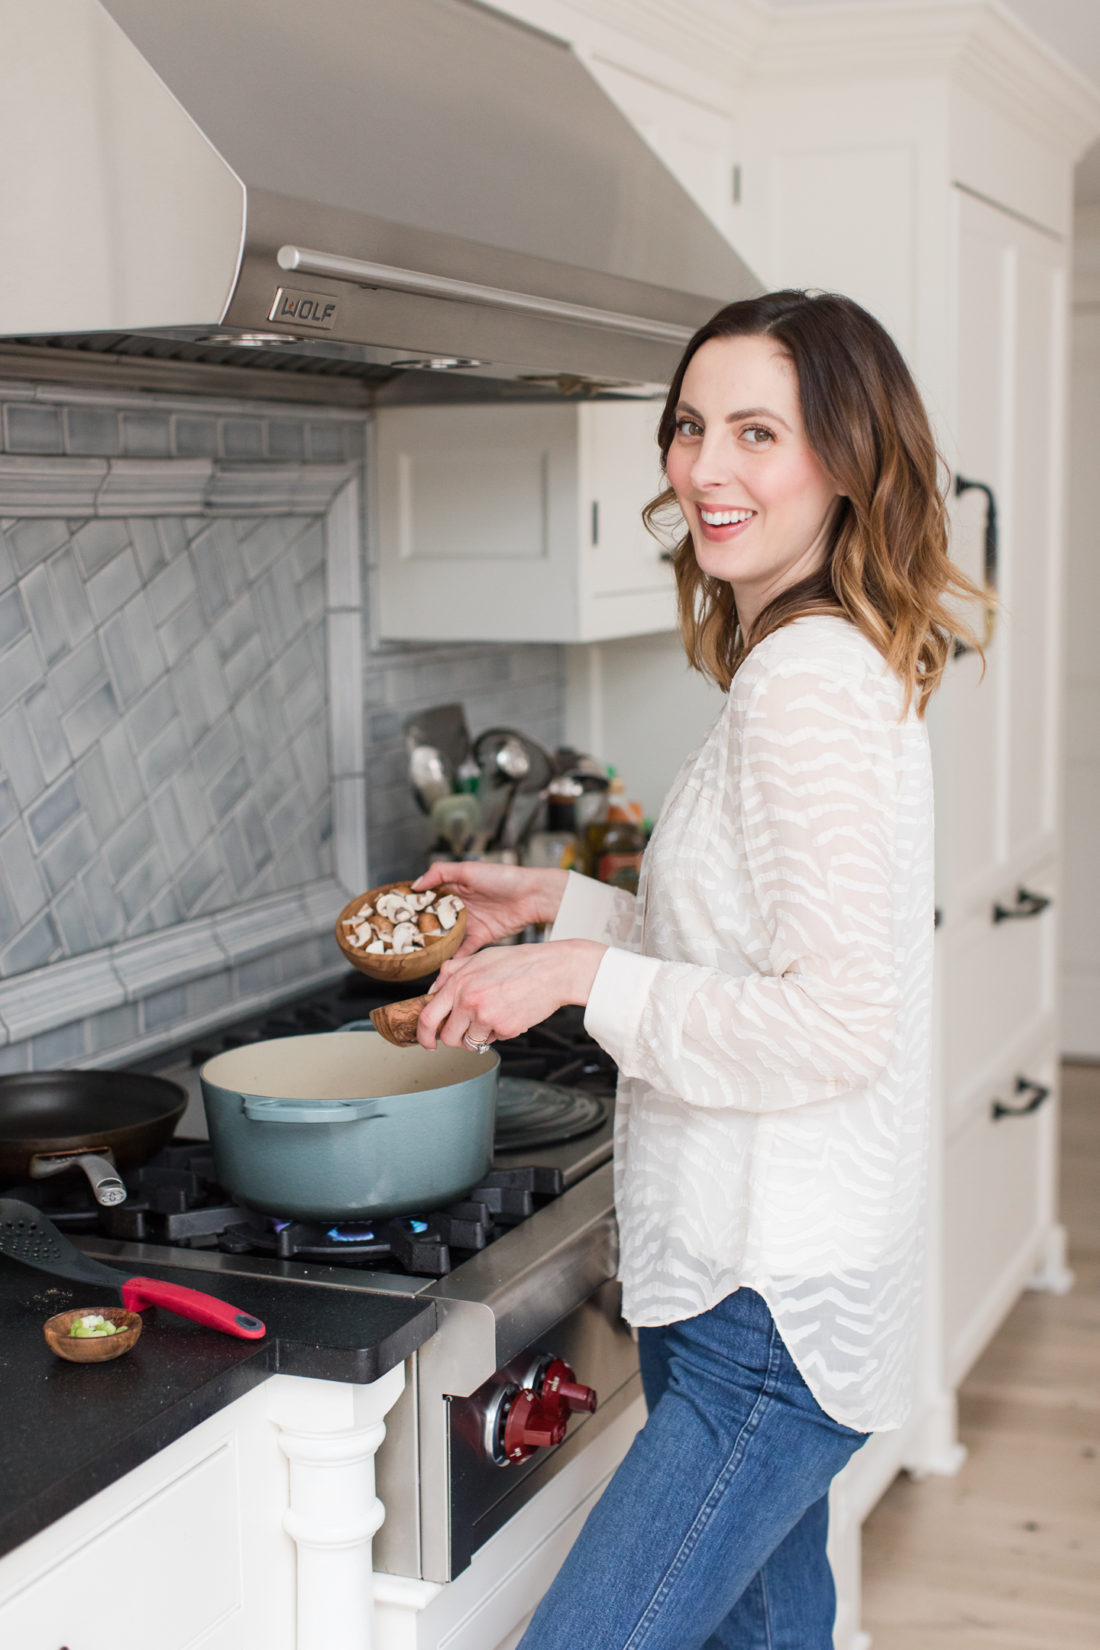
(521, 1272)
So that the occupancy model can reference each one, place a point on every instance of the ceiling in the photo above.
(1071, 27)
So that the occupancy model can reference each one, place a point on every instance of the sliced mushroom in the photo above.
(429, 924)
(375, 948)
(395, 907)
(383, 927)
(447, 909)
(406, 937)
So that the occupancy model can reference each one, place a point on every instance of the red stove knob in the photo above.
(558, 1385)
(530, 1425)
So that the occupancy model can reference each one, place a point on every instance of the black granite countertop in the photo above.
(68, 1430)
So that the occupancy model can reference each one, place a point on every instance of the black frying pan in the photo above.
(79, 1114)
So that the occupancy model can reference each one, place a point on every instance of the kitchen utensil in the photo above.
(28, 1237)
(517, 755)
(494, 808)
(444, 728)
(341, 1125)
(431, 777)
(455, 819)
(98, 1349)
(397, 1021)
(406, 965)
(98, 1121)
(520, 819)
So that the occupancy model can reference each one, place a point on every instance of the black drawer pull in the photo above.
(1027, 905)
(1036, 1093)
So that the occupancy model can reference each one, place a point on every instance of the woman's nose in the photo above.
(713, 465)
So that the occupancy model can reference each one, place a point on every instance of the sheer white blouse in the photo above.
(767, 997)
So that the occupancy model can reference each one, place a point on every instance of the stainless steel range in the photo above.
(530, 1362)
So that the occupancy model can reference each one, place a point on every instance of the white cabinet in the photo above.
(251, 1532)
(997, 739)
(519, 523)
(995, 1210)
(134, 1584)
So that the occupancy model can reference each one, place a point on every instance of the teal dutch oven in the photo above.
(343, 1125)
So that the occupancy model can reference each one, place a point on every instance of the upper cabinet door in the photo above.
(995, 740)
(519, 523)
(621, 474)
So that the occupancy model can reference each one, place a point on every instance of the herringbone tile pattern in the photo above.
(163, 746)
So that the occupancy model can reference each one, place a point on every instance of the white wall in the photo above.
(636, 704)
(1081, 914)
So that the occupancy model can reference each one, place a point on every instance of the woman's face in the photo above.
(756, 499)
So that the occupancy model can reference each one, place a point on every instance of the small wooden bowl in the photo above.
(92, 1349)
(409, 965)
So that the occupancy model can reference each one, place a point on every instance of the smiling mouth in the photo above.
(725, 518)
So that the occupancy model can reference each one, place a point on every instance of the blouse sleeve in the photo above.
(592, 910)
(817, 794)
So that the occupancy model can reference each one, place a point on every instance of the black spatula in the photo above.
(26, 1235)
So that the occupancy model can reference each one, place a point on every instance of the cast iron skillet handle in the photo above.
(191, 1303)
(103, 1177)
(267, 1109)
(1037, 1093)
(989, 569)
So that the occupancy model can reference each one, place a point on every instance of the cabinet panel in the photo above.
(477, 522)
(995, 740)
(622, 472)
(133, 1586)
(519, 523)
(994, 1213)
(1000, 981)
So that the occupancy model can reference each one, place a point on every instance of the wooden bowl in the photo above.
(92, 1349)
(409, 965)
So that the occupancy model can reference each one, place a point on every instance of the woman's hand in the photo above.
(499, 899)
(504, 990)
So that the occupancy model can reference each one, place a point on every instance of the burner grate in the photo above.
(427, 1247)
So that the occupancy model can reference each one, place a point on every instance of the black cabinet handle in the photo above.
(989, 559)
(1027, 905)
(667, 555)
(1036, 1092)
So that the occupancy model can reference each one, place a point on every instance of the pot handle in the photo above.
(359, 1025)
(266, 1109)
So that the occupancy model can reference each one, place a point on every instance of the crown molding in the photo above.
(732, 46)
(979, 46)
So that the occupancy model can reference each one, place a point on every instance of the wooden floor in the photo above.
(1006, 1556)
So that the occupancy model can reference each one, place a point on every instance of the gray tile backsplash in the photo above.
(163, 715)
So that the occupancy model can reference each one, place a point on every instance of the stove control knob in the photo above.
(529, 1425)
(558, 1385)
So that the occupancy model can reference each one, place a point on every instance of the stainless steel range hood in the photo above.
(366, 182)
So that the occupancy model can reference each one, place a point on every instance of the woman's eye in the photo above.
(688, 426)
(757, 435)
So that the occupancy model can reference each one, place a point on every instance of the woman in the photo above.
(766, 994)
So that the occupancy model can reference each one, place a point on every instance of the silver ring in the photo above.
(478, 1048)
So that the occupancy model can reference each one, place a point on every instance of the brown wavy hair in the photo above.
(887, 568)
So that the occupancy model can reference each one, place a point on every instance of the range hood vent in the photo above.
(368, 185)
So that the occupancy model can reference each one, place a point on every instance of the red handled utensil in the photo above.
(26, 1235)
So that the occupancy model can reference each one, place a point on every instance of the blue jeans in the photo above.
(711, 1534)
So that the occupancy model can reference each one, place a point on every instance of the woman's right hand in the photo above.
(499, 899)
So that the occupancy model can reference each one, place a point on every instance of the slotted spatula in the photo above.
(26, 1235)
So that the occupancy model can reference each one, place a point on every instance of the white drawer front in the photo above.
(994, 1205)
(999, 987)
(164, 1575)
